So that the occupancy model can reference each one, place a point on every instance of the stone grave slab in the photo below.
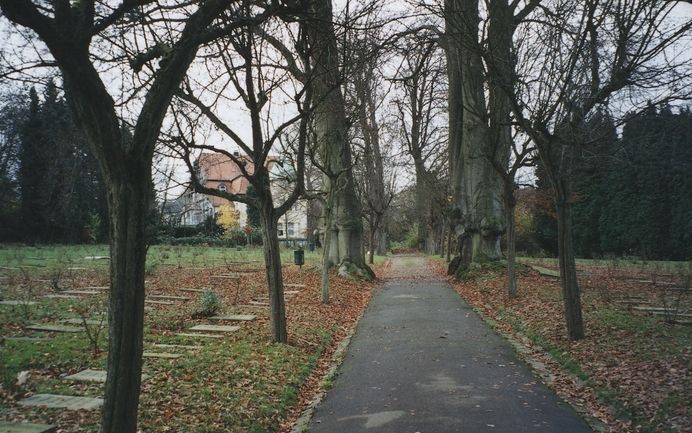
(259, 303)
(96, 288)
(545, 271)
(76, 269)
(14, 302)
(225, 277)
(294, 285)
(80, 292)
(89, 375)
(177, 346)
(154, 302)
(60, 296)
(170, 297)
(54, 328)
(30, 339)
(96, 258)
(656, 309)
(215, 328)
(62, 402)
(77, 321)
(291, 292)
(161, 355)
(24, 427)
(193, 290)
(198, 335)
(235, 317)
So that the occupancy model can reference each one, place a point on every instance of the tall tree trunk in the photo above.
(272, 263)
(328, 238)
(510, 206)
(129, 200)
(371, 243)
(475, 189)
(568, 271)
(332, 140)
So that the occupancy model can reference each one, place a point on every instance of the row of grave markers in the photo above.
(99, 376)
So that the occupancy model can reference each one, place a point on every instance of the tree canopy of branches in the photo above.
(118, 60)
(575, 58)
(252, 74)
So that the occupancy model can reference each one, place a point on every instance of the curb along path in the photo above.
(422, 361)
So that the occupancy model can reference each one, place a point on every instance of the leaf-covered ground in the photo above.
(632, 372)
(241, 383)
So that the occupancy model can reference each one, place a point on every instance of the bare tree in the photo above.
(476, 189)
(92, 45)
(331, 135)
(420, 114)
(365, 93)
(251, 74)
(575, 57)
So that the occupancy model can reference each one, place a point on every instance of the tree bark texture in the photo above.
(125, 163)
(510, 207)
(129, 201)
(373, 182)
(332, 140)
(571, 297)
(272, 255)
(476, 189)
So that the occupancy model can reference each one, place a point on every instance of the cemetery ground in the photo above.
(633, 371)
(225, 375)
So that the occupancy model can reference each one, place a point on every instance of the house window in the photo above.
(290, 230)
(222, 187)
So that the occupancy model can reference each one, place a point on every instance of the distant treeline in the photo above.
(50, 186)
(632, 193)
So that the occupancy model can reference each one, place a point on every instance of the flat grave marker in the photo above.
(294, 285)
(89, 375)
(291, 292)
(198, 335)
(30, 339)
(155, 302)
(78, 321)
(79, 292)
(96, 258)
(59, 296)
(177, 346)
(54, 328)
(215, 328)
(545, 271)
(62, 402)
(24, 427)
(661, 309)
(193, 290)
(161, 355)
(15, 302)
(235, 317)
(259, 303)
(170, 297)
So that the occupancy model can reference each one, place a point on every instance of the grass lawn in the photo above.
(239, 383)
(632, 372)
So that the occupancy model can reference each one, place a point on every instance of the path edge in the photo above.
(524, 353)
(302, 423)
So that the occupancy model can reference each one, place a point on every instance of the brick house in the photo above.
(221, 172)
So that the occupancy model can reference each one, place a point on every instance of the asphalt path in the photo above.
(421, 361)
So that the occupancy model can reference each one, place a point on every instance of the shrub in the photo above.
(210, 303)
